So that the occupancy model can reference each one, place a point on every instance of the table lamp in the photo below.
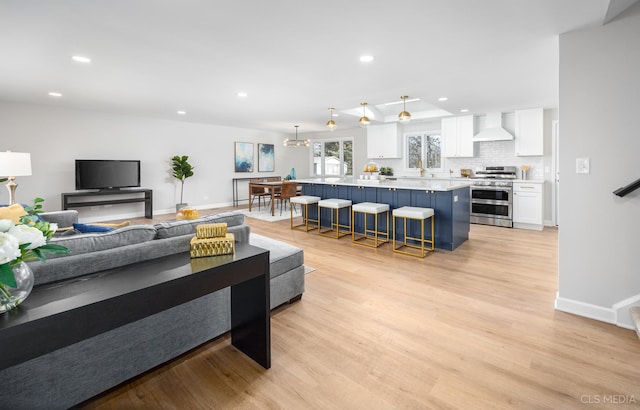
(14, 164)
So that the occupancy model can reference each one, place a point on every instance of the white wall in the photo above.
(56, 137)
(599, 105)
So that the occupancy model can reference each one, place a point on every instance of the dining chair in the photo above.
(287, 192)
(259, 192)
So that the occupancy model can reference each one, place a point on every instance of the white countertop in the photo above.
(430, 184)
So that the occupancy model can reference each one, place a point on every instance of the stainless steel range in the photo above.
(492, 196)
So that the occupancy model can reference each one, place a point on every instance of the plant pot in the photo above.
(180, 206)
(10, 297)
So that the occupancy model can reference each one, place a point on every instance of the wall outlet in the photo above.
(583, 165)
(455, 198)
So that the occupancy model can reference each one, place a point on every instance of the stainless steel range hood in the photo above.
(493, 130)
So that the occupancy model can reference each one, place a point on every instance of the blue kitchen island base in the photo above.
(450, 201)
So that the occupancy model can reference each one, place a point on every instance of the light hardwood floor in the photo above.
(470, 329)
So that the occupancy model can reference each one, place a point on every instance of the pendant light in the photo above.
(364, 120)
(331, 124)
(404, 116)
(296, 143)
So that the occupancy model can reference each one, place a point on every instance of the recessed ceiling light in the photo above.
(442, 99)
(464, 110)
(180, 112)
(81, 59)
(366, 59)
(242, 94)
(55, 94)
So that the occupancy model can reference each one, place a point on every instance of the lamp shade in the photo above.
(15, 164)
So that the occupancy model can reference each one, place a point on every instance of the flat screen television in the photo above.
(107, 174)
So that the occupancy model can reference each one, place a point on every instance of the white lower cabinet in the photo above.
(528, 205)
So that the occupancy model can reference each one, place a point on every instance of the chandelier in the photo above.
(296, 142)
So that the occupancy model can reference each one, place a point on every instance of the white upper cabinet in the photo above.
(457, 134)
(529, 132)
(384, 141)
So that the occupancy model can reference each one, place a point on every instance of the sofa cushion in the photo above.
(93, 242)
(188, 226)
(282, 256)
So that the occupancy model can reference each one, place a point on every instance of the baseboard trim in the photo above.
(586, 309)
(623, 312)
(532, 227)
(619, 314)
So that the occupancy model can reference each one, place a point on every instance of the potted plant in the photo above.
(386, 171)
(181, 170)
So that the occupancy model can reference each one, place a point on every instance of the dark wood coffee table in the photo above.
(58, 315)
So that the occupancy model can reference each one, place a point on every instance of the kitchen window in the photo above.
(333, 158)
(424, 150)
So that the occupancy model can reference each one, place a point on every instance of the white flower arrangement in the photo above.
(23, 242)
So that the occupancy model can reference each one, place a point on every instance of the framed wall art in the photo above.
(244, 157)
(266, 158)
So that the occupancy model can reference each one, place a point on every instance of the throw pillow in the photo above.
(13, 212)
(85, 228)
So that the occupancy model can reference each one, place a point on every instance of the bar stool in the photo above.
(375, 209)
(335, 205)
(413, 213)
(304, 201)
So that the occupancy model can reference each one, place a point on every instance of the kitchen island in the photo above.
(447, 197)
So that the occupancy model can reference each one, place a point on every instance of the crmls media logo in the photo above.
(607, 399)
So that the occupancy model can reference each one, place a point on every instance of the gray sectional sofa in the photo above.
(78, 372)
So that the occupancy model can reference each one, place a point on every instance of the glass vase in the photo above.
(11, 297)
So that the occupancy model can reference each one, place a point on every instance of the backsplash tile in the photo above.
(496, 153)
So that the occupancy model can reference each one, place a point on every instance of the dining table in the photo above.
(271, 186)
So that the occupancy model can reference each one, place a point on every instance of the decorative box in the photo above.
(212, 246)
(211, 230)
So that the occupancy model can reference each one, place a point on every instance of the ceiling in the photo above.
(293, 58)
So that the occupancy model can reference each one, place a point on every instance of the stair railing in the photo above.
(627, 189)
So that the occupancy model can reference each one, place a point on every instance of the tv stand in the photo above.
(148, 199)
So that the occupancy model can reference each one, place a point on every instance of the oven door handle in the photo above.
(491, 188)
(491, 202)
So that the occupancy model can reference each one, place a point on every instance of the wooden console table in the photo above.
(58, 315)
(148, 199)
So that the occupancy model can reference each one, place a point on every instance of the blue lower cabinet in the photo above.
(443, 221)
(313, 190)
(460, 206)
(423, 199)
(336, 191)
(396, 198)
(358, 194)
(339, 192)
